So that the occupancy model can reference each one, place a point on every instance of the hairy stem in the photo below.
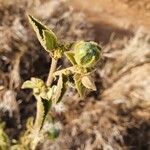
(40, 108)
(39, 114)
(51, 71)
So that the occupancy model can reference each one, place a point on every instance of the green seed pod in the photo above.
(86, 54)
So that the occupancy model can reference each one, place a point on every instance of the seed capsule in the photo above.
(87, 54)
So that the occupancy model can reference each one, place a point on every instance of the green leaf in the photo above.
(47, 105)
(33, 83)
(50, 40)
(37, 26)
(38, 86)
(28, 84)
(70, 56)
(88, 82)
(79, 86)
(45, 36)
(37, 82)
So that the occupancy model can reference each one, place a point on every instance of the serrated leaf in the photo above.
(43, 34)
(70, 56)
(79, 86)
(88, 82)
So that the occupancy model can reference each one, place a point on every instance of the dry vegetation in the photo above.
(116, 117)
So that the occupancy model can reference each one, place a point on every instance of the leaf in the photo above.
(38, 86)
(88, 82)
(61, 88)
(45, 36)
(28, 84)
(58, 89)
(79, 86)
(37, 82)
(64, 88)
(70, 56)
(50, 40)
(46, 104)
(37, 26)
(33, 83)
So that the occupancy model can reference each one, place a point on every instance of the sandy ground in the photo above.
(126, 14)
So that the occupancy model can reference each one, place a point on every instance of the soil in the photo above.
(125, 14)
(117, 115)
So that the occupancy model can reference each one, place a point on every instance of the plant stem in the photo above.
(38, 122)
(40, 108)
(39, 114)
(51, 71)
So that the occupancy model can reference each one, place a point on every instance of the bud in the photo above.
(86, 54)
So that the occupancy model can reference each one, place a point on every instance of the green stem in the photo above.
(51, 71)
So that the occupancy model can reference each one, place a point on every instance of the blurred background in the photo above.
(117, 115)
